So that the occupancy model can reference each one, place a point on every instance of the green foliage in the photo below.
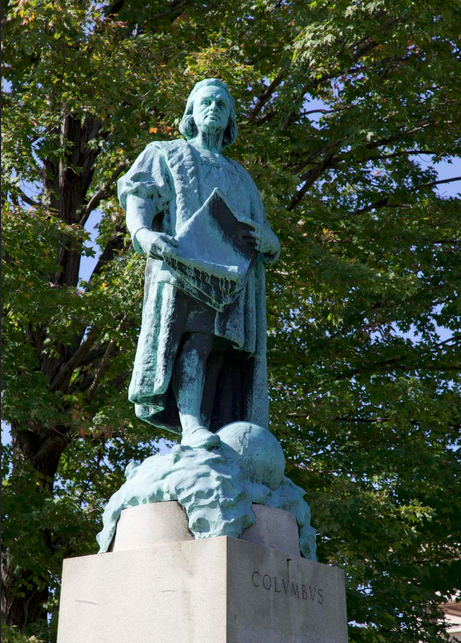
(11, 634)
(365, 392)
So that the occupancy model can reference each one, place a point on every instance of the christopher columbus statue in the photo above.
(198, 217)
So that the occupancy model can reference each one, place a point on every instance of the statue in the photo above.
(198, 217)
(200, 367)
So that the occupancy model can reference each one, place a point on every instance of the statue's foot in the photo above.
(200, 437)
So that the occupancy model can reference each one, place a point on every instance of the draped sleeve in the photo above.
(149, 179)
(270, 246)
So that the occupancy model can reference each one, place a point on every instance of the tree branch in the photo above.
(311, 177)
(431, 183)
(371, 44)
(67, 368)
(115, 243)
(27, 199)
(104, 365)
(385, 141)
(314, 155)
(318, 111)
(101, 194)
(115, 8)
(384, 202)
(265, 96)
(383, 157)
(119, 381)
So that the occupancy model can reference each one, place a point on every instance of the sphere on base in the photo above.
(257, 451)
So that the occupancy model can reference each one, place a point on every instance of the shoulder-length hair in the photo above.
(188, 128)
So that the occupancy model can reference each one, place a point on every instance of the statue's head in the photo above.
(210, 88)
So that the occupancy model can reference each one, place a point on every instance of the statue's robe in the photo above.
(176, 179)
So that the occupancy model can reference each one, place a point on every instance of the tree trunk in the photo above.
(65, 186)
(23, 607)
(22, 594)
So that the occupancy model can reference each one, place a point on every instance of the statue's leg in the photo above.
(213, 369)
(188, 383)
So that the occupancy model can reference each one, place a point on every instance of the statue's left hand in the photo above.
(261, 238)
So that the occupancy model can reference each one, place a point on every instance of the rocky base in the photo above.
(216, 487)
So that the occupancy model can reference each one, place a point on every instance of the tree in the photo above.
(365, 393)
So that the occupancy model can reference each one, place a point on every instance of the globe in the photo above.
(257, 451)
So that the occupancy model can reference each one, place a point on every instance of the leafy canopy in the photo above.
(345, 110)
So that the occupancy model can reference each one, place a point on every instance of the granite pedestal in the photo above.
(215, 590)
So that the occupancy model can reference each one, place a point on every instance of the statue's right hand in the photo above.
(156, 244)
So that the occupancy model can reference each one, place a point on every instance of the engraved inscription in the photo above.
(288, 587)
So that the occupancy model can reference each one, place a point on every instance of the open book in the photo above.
(213, 259)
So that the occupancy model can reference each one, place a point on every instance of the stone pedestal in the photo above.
(215, 590)
(164, 522)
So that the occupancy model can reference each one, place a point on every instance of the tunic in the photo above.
(176, 179)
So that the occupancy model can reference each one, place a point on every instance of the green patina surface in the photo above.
(201, 358)
(164, 168)
(163, 192)
(216, 487)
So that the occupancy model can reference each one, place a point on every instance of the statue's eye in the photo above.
(221, 104)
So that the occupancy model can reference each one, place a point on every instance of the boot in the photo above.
(200, 437)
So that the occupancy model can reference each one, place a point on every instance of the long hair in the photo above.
(188, 128)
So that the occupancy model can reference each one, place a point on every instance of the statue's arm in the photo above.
(144, 192)
(270, 246)
(139, 218)
(267, 242)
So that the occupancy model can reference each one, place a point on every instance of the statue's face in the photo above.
(211, 110)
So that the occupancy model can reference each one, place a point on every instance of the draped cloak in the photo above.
(176, 179)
